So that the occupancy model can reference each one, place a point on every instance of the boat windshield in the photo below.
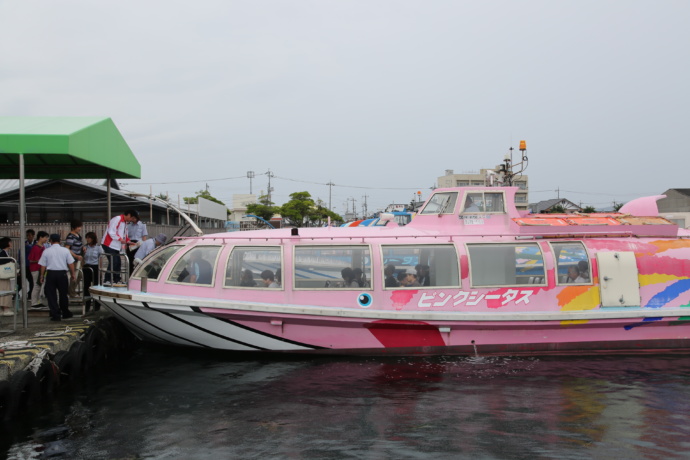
(153, 265)
(441, 203)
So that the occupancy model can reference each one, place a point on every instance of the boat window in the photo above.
(196, 266)
(152, 266)
(572, 263)
(441, 203)
(506, 264)
(420, 266)
(332, 267)
(254, 267)
(484, 202)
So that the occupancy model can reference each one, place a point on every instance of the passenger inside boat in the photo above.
(247, 279)
(269, 279)
(583, 266)
(574, 275)
(389, 273)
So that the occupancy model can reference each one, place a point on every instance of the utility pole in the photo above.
(330, 187)
(269, 174)
(250, 175)
(365, 206)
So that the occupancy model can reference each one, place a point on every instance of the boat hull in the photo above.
(256, 328)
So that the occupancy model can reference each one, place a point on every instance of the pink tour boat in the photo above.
(470, 274)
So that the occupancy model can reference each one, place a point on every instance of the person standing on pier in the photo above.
(74, 243)
(6, 302)
(57, 260)
(114, 239)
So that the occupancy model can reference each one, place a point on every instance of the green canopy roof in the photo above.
(65, 148)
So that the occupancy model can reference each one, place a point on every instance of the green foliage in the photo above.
(557, 209)
(617, 206)
(203, 194)
(261, 210)
(163, 196)
(299, 210)
(589, 209)
(263, 199)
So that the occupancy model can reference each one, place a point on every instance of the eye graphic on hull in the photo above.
(364, 300)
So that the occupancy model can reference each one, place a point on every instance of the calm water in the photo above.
(168, 405)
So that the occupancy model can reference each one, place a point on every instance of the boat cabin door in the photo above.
(618, 276)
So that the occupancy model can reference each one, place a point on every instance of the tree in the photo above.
(203, 194)
(321, 215)
(163, 196)
(299, 210)
(557, 209)
(261, 210)
(588, 209)
(263, 199)
(617, 206)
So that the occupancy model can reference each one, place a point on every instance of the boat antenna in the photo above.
(507, 168)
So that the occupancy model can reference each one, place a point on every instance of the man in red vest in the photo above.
(115, 240)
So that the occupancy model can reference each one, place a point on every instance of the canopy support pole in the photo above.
(22, 246)
(109, 215)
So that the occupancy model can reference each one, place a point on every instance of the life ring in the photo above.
(25, 392)
(5, 400)
(48, 378)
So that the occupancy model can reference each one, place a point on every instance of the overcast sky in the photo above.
(377, 97)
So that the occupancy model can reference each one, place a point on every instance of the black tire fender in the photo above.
(81, 355)
(5, 400)
(67, 365)
(48, 378)
(96, 343)
(25, 391)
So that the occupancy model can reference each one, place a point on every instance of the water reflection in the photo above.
(163, 404)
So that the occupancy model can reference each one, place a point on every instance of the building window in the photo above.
(432, 265)
(494, 265)
(254, 267)
(332, 267)
(153, 266)
(572, 263)
(520, 198)
(462, 183)
(197, 266)
(441, 203)
(521, 185)
(478, 183)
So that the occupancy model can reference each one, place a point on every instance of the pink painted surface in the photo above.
(663, 263)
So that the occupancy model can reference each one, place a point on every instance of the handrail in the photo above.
(171, 206)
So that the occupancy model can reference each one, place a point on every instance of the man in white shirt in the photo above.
(114, 239)
(138, 234)
(57, 261)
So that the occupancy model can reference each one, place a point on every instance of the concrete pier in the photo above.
(34, 361)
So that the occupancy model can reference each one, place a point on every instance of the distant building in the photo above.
(547, 206)
(676, 206)
(483, 179)
(239, 207)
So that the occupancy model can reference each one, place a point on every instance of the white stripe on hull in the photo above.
(189, 328)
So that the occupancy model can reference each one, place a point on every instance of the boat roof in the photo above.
(638, 218)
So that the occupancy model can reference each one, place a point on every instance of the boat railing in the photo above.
(106, 270)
